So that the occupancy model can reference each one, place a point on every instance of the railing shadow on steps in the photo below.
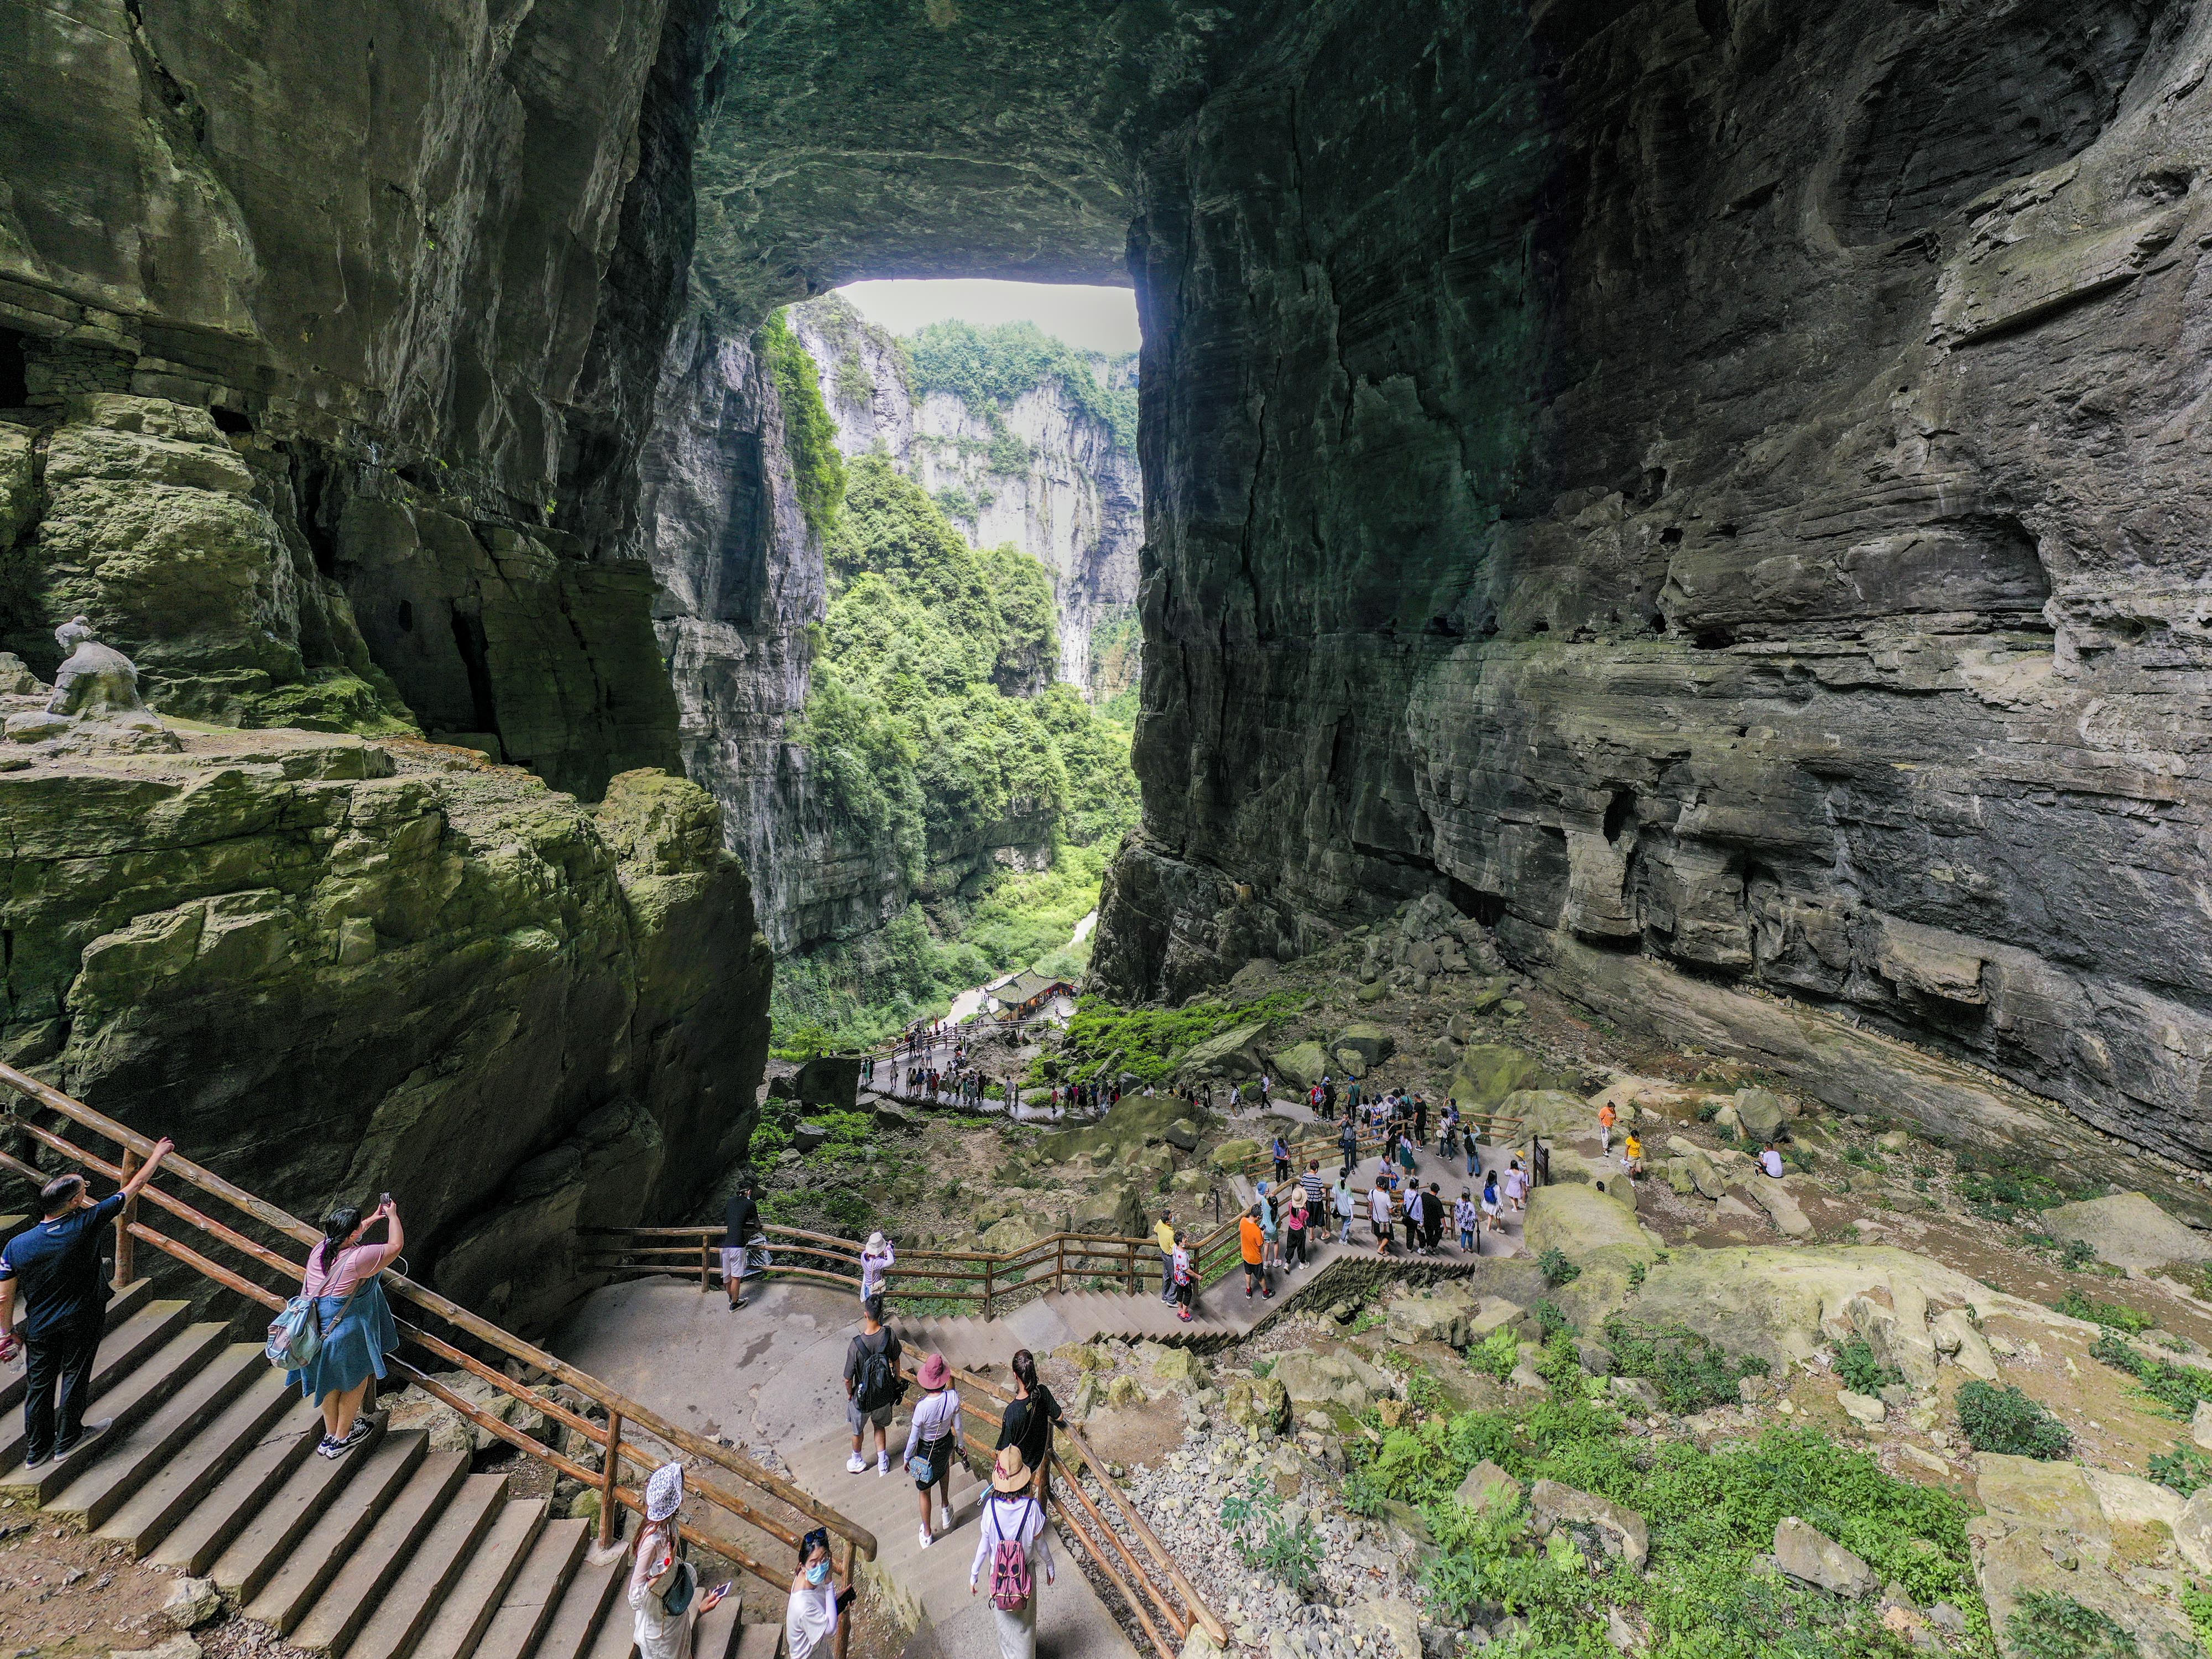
(414, 1306)
(1156, 1596)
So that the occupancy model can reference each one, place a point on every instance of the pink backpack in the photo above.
(1010, 1566)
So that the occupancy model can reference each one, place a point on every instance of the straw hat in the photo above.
(935, 1373)
(663, 1492)
(875, 1241)
(1011, 1474)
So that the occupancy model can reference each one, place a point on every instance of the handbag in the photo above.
(296, 1335)
(681, 1588)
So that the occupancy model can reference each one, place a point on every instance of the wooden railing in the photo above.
(988, 1279)
(631, 1435)
(1160, 1597)
(1490, 1129)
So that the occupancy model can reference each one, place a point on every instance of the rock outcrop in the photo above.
(325, 965)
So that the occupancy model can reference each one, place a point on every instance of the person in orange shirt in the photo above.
(1254, 1238)
(1606, 1117)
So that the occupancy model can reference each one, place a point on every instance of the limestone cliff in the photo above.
(1040, 471)
(330, 967)
(1707, 486)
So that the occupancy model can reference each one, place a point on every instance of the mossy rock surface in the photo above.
(1489, 1071)
(1304, 1064)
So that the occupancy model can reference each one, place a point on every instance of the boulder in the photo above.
(1488, 1489)
(1181, 1134)
(832, 1080)
(1235, 1154)
(1395, 1618)
(1372, 1043)
(1261, 1404)
(1760, 1114)
(1550, 1114)
(1578, 1221)
(1234, 1053)
(1958, 1341)
(1373, 992)
(1342, 1380)
(1488, 1071)
(1781, 1206)
(2200, 1425)
(1348, 1062)
(1613, 1528)
(1004, 1237)
(1425, 1319)
(176, 1647)
(193, 1602)
(1488, 994)
(1811, 1557)
(805, 1136)
(1861, 1409)
(1303, 1063)
(1173, 1364)
(2128, 1230)
(447, 1429)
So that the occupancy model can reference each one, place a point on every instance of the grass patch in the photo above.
(2006, 1420)
(2110, 1315)
(1690, 1373)
(2176, 1388)
(2047, 1626)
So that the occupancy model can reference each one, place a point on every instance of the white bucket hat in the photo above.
(663, 1492)
(875, 1241)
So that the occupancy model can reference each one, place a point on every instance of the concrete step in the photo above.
(309, 1565)
(194, 1544)
(391, 1630)
(759, 1641)
(123, 1306)
(132, 1460)
(381, 1556)
(458, 1626)
(715, 1635)
(614, 1640)
(589, 1600)
(137, 1395)
(261, 1544)
(536, 1592)
(171, 1492)
(142, 1329)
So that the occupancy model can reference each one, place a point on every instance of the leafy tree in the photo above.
(816, 468)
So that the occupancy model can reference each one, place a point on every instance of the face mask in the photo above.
(818, 1573)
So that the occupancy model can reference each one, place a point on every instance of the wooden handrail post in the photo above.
(1060, 1261)
(845, 1624)
(703, 1254)
(987, 1266)
(126, 1248)
(609, 1472)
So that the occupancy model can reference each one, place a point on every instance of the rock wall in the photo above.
(327, 966)
(417, 269)
(1704, 486)
(1076, 502)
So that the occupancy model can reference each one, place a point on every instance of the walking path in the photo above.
(769, 1376)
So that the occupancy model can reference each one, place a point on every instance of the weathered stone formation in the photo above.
(1065, 491)
(324, 349)
(331, 967)
(741, 582)
(1712, 490)
(328, 339)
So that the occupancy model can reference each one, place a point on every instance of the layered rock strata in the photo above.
(1707, 489)
(327, 966)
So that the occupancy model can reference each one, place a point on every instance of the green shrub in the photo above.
(2077, 1253)
(2186, 1470)
(1690, 1373)
(818, 469)
(1862, 1373)
(989, 367)
(1557, 1269)
(1497, 1354)
(2110, 1315)
(1253, 1520)
(2176, 1388)
(2006, 1420)
(2047, 1625)
(1552, 1317)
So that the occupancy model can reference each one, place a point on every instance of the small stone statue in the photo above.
(95, 702)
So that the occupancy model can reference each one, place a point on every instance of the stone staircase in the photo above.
(392, 1552)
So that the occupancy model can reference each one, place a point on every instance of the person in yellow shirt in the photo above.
(1164, 1236)
(1632, 1156)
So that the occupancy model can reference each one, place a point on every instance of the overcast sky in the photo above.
(1090, 318)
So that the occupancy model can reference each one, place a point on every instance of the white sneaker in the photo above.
(883, 1466)
(855, 1464)
(926, 1541)
(947, 1522)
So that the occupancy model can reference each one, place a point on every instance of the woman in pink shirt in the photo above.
(354, 1319)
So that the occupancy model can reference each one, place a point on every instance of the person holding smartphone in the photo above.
(811, 1617)
(665, 1599)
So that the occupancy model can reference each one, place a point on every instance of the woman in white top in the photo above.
(936, 1430)
(812, 1615)
(1378, 1216)
(1013, 1515)
(876, 1259)
(663, 1589)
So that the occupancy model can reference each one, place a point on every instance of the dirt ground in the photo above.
(65, 1593)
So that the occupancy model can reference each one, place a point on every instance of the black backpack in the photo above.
(878, 1384)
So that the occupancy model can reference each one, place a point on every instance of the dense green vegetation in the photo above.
(2006, 1420)
(934, 731)
(1708, 1513)
(1105, 1039)
(816, 467)
(987, 369)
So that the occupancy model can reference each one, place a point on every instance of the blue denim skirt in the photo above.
(354, 1347)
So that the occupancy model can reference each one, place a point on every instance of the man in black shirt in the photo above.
(741, 1226)
(873, 1389)
(51, 1298)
